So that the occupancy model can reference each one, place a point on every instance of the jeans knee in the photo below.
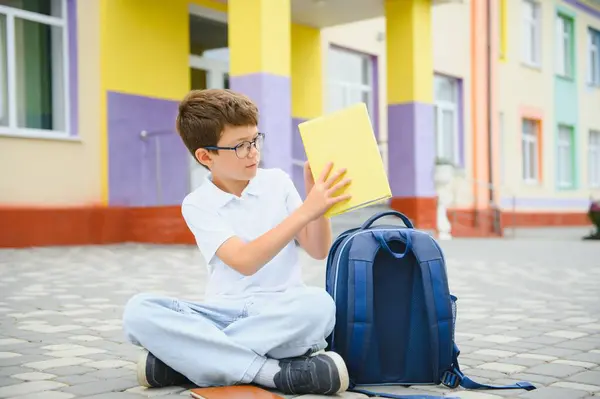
(134, 314)
(319, 308)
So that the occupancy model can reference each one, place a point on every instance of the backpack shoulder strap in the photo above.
(455, 377)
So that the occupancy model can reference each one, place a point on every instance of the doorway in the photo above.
(209, 65)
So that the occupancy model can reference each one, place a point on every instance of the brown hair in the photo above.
(204, 114)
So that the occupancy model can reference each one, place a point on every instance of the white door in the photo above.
(206, 73)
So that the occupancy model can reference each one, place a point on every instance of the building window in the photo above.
(33, 66)
(350, 79)
(565, 152)
(564, 46)
(531, 38)
(594, 56)
(447, 108)
(530, 150)
(594, 158)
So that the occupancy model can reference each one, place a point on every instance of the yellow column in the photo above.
(411, 140)
(260, 66)
(307, 89)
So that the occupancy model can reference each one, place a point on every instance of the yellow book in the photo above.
(346, 138)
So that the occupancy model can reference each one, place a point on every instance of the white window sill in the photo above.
(37, 134)
(532, 65)
(531, 182)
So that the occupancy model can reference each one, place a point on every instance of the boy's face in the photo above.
(240, 164)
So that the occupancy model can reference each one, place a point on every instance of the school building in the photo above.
(506, 91)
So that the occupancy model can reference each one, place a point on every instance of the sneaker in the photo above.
(153, 373)
(319, 374)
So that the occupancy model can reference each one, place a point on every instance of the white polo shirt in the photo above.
(214, 216)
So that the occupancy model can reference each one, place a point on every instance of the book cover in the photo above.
(233, 392)
(346, 138)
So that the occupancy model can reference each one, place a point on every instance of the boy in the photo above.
(259, 323)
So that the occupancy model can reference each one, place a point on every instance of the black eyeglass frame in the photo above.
(252, 143)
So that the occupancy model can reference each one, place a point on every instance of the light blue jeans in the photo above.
(226, 342)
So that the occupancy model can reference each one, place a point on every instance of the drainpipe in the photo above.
(490, 111)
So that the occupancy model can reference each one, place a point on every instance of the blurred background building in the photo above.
(507, 91)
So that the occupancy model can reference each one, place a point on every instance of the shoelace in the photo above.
(299, 373)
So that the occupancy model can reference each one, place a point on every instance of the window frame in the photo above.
(530, 139)
(453, 106)
(593, 53)
(594, 154)
(345, 86)
(565, 46)
(13, 130)
(534, 57)
(560, 183)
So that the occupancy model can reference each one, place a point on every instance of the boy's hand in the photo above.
(309, 181)
(322, 194)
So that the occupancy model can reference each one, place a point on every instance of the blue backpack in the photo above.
(395, 315)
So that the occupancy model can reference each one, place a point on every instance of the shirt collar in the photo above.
(220, 198)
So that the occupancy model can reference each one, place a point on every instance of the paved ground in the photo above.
(528, 309)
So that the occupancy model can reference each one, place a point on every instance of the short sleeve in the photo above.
(292, 197)
(209, 229)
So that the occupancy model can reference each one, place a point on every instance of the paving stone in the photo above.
(70, 370)
(22, 360)
(576, 363)
(110, 373)
(25, 388)
(585, 357)
(521, 361)
(555, 370)
(4, 381)
(577, 386)
(11, 342)
(553, 393)
(489, 374)
(494, 353)
(502, 367)
(537, 356)
(56, 363)
(156, 391)
(500, 339)
(97, 387)
(557, 352)
(76, 379)
(116, 395)
(566, 334)
(83, 352)
(8, 355)
(577, 344)
(34, 376)
(586, 377)
(46, 395)
(85, 338)
(545, 340)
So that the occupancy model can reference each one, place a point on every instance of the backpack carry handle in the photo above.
(382, 241)
(373, 218)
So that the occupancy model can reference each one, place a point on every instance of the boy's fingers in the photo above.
(334, 177)
(339, 185)
(325, 171)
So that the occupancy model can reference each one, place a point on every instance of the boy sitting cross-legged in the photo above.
(258, 322)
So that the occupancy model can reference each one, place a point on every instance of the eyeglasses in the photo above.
(242, 150)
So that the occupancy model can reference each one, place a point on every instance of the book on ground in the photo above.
(346, 138)
(233, 392)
